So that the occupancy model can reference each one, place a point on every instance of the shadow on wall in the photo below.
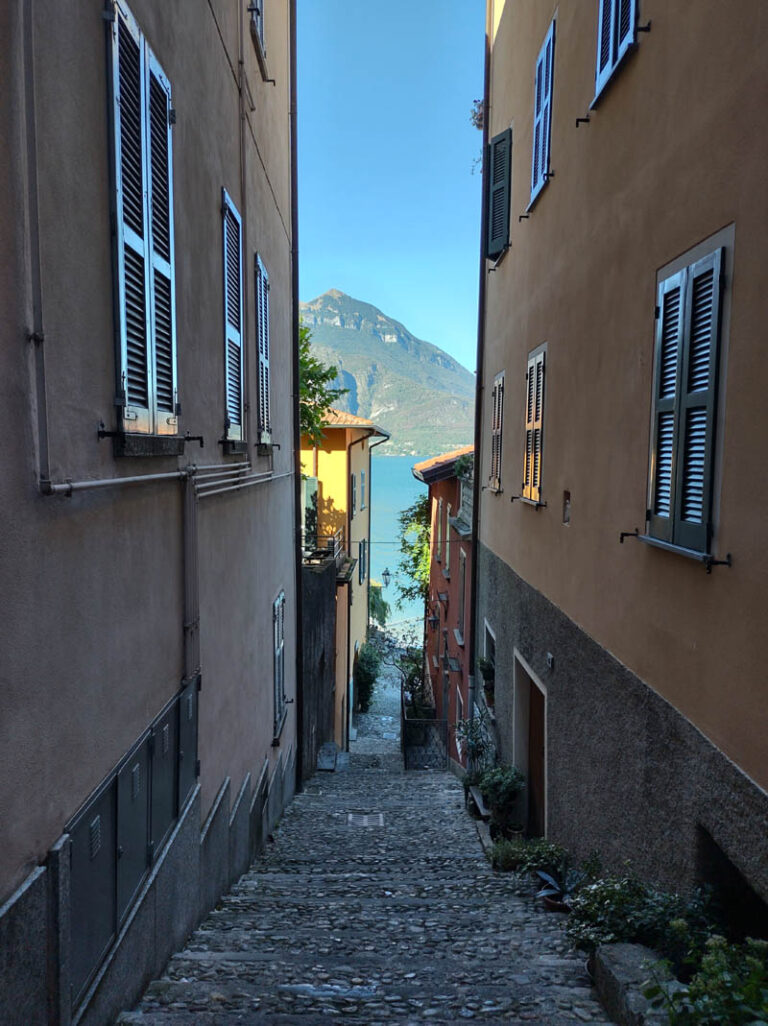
(329, 518)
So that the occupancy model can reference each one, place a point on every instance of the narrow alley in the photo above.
(374, 904)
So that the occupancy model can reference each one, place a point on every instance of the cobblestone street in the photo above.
(374, 904)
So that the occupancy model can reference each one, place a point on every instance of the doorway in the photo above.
(530, 738)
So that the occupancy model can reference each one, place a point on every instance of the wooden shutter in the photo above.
(262, 323)
(499, 162)
(534, 427)
(161, 250)
(668, 356)
(626, 25)
(362, 489)
(233, 317)
(697, 400)
(353, 492)
(542, 115)
(131, 174)
(497, 420)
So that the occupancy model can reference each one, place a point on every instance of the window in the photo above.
(459, 717)
(142, 141)
(257, 24)
(353, 493)
(684, 401)
(262, 334)
(278, 633)
(616, 33)
(439, 542)
(542, 114)
(233, 318)
(499, 164)
(534, 426)
(497, 421)
(362, 563)
(362, 489)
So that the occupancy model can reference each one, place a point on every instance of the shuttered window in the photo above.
(262, 329)
(143, 169)
(353, 493)
(497, 422)
(233, 317)
(534, 427)
(616, 34)
(362, 489)
(439, 543)
(499, 164)
(684, 401)
(257, 24)
(362, 563)
(278, 633)
(542, 114)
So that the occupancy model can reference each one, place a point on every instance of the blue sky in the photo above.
(389, 209)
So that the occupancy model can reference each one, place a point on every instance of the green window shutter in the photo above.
(542, 114)
(278, 636)
(132, 259)
(497, 423)
(668, 357)
(262, 321)
(698, 396)
(161, 250)
(499, 163)
(353, 493)
(233, 317)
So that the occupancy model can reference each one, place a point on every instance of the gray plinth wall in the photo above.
(625, 772)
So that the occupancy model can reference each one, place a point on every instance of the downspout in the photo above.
(480, 368)
(36, 332)
(371, 445)
(293, 121)
(349, 589)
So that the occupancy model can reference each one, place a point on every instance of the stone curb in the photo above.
(620, 971)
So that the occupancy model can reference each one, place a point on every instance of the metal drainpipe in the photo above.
(371, 445)
(480, 366)
(36, 334)
(293, 121)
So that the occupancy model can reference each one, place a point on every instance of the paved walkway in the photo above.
(375, 904)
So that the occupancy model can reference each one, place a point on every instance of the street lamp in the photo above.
(386, 577)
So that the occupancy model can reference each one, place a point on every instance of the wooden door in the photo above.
(536, 779)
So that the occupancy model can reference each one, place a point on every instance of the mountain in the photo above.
(414, 390)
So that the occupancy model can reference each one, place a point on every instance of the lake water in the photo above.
(393, 489)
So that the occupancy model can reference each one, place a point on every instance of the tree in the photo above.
(378, 607)
(316, 396)
(413, 536)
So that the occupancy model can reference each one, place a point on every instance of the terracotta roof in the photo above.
(342, 419)
(432, 466)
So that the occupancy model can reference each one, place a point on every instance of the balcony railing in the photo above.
(327, 546)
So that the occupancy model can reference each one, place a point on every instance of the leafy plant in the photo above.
(474, 739)
(414, 525)
(730, 986)
(563, 883)
(365, 675)
(500, 787)
(526, 856)
(378, 607)
(316, 394)
(487, 669)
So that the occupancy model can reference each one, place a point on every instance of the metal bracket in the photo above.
(103, 433)
(38, 337)
(628, 534)
(645, 28)
(582, 121)
(709, 563)
(194, 438)
(522, 217)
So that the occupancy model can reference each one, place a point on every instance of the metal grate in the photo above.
(371, 819)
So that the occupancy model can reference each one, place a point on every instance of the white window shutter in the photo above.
(162, 273)
(542, 113)
(233, 317)
(626, 26)
(262, 322)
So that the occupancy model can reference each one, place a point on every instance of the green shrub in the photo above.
(506, 856)
(730, 986)
(365, 675)
(626, 909)
(500, 786)
(526, 856)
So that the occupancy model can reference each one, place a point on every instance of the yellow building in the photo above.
(338, 484)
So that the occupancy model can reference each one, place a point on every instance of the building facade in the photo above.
(148, 646)
(621, 388)
(338, 473)
(448, 624)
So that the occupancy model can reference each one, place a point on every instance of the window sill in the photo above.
(493, 489)
(699, 557)
(528, 502)
(127, 444)
(234, 447)
(446, 573)
(459, 637)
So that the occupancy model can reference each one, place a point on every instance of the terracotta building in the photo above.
(448, 624)
(338, 490)
(622, 379)
(148, 567)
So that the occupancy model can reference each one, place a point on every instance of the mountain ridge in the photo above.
(411, 387)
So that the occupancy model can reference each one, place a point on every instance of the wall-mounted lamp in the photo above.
(386, 576)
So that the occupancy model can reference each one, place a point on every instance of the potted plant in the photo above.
(500, 788)
(561, 885)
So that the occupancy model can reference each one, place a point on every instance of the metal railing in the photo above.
(326, 546)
